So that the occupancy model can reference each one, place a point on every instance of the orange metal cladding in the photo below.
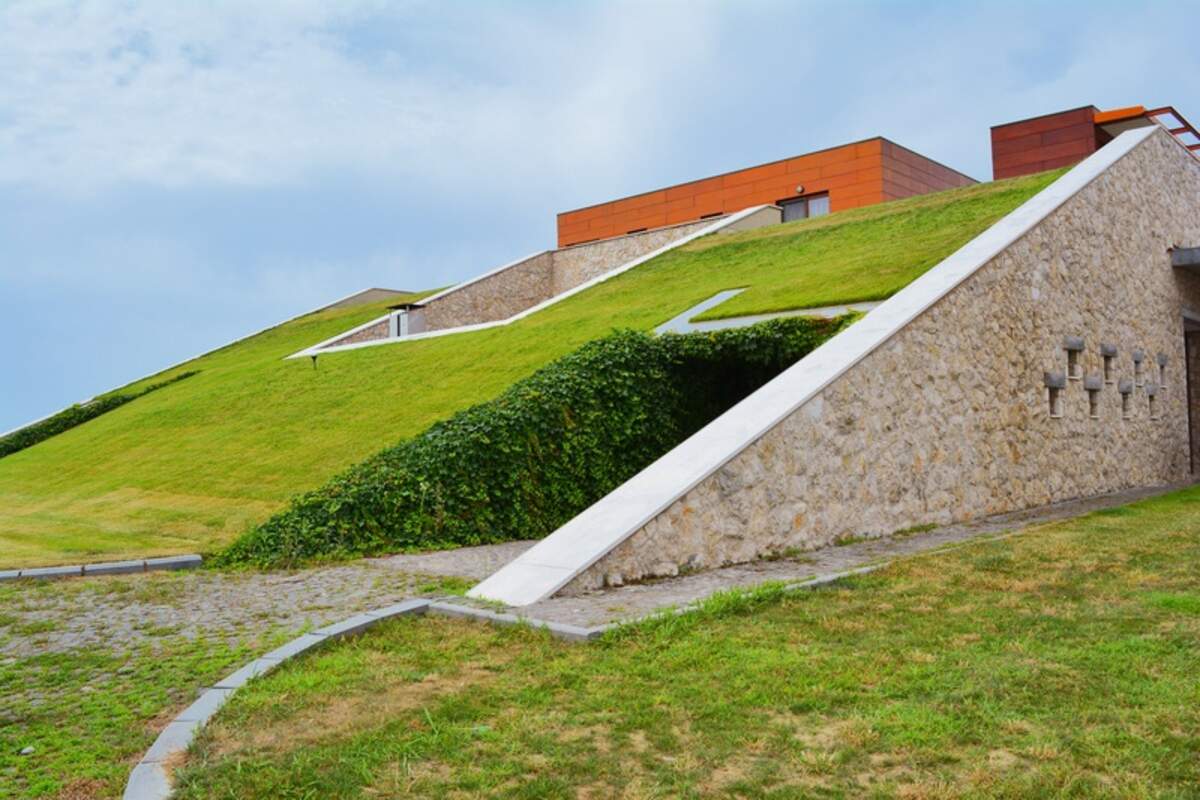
(1046, 142)
(854, 175)
(1118, 114)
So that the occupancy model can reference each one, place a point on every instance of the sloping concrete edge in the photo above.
(150, 780)
(552, 563)
(189, 561)
(321, 348)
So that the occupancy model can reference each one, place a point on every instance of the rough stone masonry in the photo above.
(950, 418)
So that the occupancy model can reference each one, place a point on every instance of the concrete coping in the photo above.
(1162, 359)
(1125, 386)
(190, 561)
(1151, 388)
(1055, 380)
(1075, 343)
(1108, 349)
(1093, 383)
(1139, 356)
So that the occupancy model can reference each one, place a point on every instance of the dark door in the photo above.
(1191, 364)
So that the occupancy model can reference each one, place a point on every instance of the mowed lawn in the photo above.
(1061, 662)
(192, 465)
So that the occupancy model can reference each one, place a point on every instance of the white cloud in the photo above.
(177, 94)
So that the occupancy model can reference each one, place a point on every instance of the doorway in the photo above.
(1191, 371)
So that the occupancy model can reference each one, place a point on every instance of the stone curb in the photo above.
(104, 568)
(570, 633)
(149, 779)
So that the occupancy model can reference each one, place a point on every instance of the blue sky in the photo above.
(174, 175)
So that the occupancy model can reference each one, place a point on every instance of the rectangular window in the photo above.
(1055, 402)
(1074, 371)
(810, 205)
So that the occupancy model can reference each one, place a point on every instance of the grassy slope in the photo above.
(864, 254)
(190, 466)
(1059, 663)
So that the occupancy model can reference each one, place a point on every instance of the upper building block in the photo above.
(1068, 137)
(849, 176)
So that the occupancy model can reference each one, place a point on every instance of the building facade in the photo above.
(836, 179)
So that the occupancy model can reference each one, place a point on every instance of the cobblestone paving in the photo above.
(121, 612)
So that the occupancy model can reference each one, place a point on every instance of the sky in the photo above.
(174, 175)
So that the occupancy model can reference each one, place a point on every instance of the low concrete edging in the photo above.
(190, 561)
(150, 780)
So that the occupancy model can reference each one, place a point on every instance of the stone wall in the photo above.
(582, 262)
(377, 330)
(496, 296)
(517, 287)
(949, 418)
(527, 283)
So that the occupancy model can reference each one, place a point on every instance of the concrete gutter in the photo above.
(683, 322)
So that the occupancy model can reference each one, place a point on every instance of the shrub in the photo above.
(75, 415)
(519, 466)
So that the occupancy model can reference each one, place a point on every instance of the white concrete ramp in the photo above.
(549, 565)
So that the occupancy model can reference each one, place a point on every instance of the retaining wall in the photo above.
(513, 289)
(934, 407)
(950, 418)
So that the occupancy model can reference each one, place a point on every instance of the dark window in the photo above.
(811, 205)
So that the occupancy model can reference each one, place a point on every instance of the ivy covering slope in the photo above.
(521, 465)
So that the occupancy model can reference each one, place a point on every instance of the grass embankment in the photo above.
(194, 464)
(1061, 662)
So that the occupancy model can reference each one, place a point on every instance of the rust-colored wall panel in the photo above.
(854, 175)
(1028, 146)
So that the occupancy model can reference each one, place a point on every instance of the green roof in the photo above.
(190, 466)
